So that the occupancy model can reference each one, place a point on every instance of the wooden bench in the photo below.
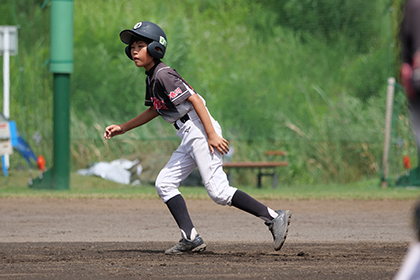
(261, 165)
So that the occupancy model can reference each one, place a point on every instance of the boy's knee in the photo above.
(166, 191)
(221, 197)
(220, 200)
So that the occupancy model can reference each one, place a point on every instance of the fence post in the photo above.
(387, 133)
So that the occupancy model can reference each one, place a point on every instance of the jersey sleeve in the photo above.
(175, 87)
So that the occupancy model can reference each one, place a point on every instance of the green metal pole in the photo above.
(61, 64)
(61, 178)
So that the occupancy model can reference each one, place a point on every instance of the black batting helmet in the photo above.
(150, 31)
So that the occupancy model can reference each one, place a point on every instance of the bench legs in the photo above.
(259, 176)
(273, 174)
(259, 179)
(275, 180)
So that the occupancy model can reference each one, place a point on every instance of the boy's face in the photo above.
(141, 56)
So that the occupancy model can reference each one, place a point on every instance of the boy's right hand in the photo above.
(113, 130)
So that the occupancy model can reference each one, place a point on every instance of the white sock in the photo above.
(193, 234)
(272, 213)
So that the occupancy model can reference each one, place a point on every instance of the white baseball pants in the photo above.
(194, 152)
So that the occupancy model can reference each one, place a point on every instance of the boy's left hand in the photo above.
(221, 144)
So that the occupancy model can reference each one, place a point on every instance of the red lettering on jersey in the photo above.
(158, 104)
(175, 93)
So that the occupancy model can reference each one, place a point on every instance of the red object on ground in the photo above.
(407, 162)
(41, 163)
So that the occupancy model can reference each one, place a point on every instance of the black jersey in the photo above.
(168, 92)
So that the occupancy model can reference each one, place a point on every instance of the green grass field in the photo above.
(16, 186)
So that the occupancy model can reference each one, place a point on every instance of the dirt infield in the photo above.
(125, 239)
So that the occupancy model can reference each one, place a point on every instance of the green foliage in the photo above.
(358, 20)
(305, 76)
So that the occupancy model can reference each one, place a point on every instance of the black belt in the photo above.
(183, 119)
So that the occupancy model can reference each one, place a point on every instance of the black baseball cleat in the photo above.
(279, 227)
(187, 246)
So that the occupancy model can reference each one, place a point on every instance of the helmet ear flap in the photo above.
(155, 50)
(128, 52)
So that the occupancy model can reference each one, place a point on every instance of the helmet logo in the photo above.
(162, 41)
(138, 25)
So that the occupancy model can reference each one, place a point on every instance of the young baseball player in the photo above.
(168, 95)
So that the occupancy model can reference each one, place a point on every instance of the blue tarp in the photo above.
(18, 143)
